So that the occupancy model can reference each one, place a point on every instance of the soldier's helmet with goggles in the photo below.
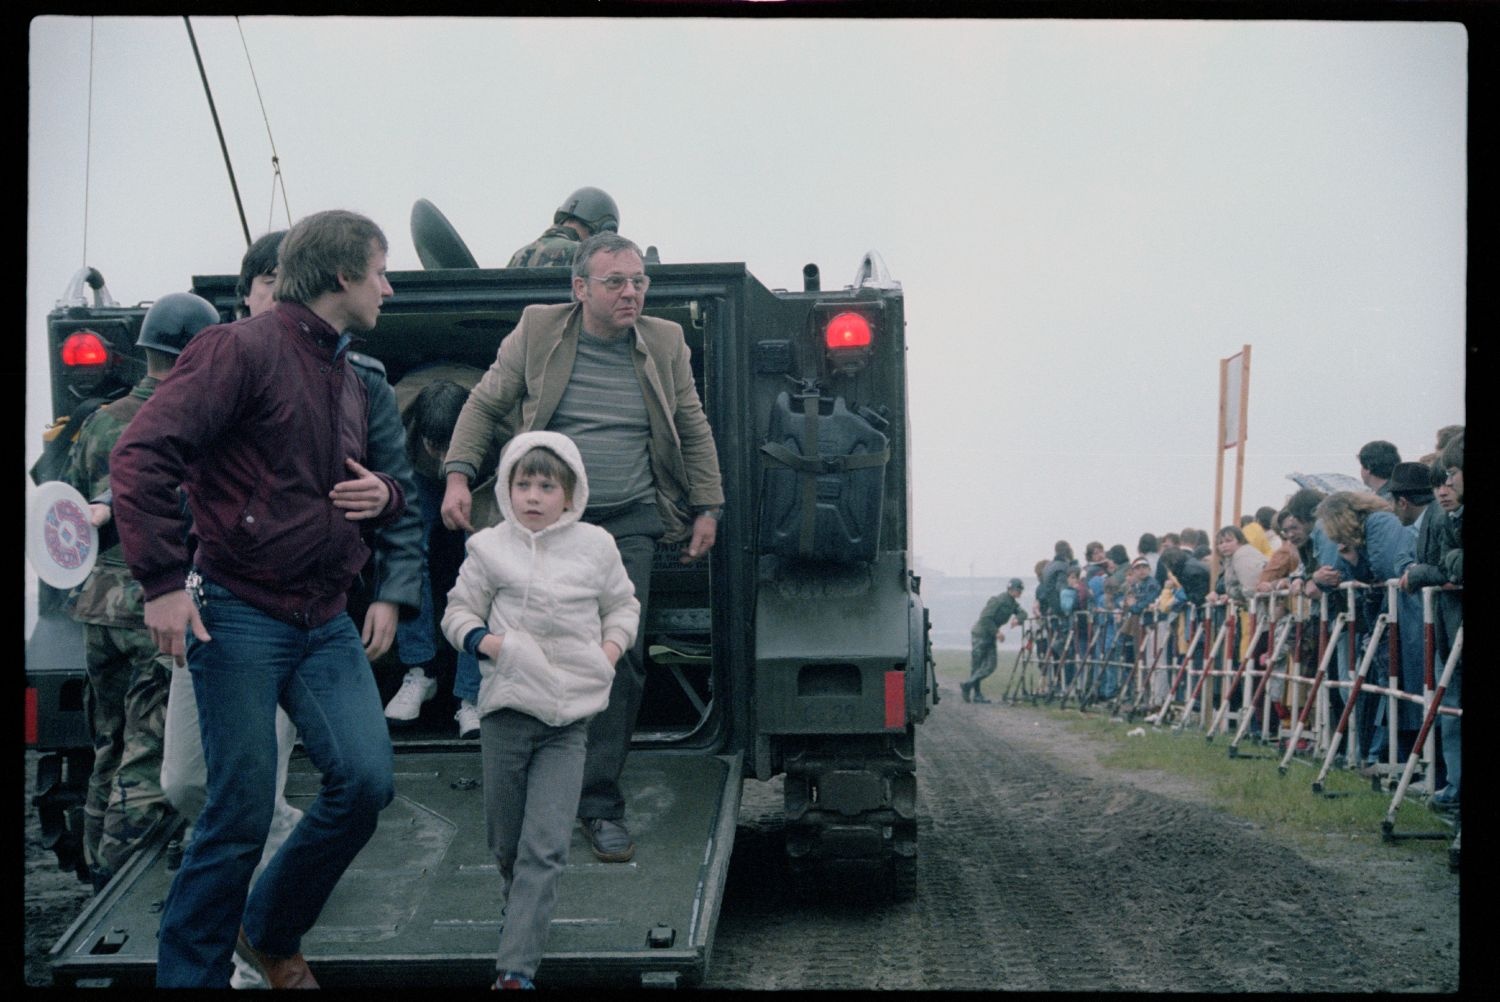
(591, 206)
(173, 320)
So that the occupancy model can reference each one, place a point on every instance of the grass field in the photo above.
(1250, 788)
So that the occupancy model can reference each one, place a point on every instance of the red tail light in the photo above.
(895, 699)
(84, 348)
(847, 330)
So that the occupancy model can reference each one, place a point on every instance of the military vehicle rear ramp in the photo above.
(419, 906)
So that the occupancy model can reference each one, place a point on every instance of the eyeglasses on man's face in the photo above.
(614, 283)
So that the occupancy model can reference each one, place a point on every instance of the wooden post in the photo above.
(1241, 394)
(1239, 438)
(1220, 431)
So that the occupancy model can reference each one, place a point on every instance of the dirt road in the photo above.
(1041, 870)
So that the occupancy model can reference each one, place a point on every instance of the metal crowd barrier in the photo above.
(1187, 669)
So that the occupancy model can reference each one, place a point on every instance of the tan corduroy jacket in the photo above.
(533, 366)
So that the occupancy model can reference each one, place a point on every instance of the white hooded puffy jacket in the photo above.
(554, 596)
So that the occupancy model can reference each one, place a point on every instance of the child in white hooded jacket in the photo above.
(544, 602)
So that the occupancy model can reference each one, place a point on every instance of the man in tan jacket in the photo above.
(620, 385)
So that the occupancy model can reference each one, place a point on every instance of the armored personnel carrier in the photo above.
(799, 649)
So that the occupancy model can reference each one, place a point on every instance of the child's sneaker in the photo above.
(510, 979)
(468, 720)
(416, 688)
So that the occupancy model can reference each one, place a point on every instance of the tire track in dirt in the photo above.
(1142, 891)
(1040, 871)
(775, 937)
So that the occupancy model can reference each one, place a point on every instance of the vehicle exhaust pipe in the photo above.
(810, 280)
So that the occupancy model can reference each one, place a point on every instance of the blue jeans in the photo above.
(466, 677)
(1102, 650)
(1450, 729)
(416, 638)
(322, 678)
(415, 642)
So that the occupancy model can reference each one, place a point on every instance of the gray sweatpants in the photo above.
(532, 773)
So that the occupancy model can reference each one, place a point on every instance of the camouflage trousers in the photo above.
(125, 705)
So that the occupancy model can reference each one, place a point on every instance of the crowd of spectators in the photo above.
(1405, 525)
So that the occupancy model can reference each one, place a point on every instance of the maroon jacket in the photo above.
(255, 421)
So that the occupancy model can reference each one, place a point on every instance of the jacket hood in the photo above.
(566, 451)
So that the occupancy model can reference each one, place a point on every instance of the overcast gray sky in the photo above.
(1085, 215)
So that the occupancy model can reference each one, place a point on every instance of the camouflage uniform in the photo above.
(125, 701)
(983, 655)
(555, 247)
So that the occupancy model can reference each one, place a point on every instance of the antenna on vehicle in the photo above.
(217, 128)
(276, 177)
(88, 148)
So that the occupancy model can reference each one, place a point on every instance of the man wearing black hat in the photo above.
(999, 612)
(1411, 493)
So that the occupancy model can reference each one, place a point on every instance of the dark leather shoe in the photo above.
(609, 839)
(963, 690)
(980, 699)
(278, 972)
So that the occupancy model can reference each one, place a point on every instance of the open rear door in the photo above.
(419, 904)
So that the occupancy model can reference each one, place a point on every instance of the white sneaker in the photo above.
(284, 818)
(468, 720)
(245, 975)
(416, 688)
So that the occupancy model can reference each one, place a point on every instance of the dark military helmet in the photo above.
(173, 320)
(591, 205)
(1017, 583)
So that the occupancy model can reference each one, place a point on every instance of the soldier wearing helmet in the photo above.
(582, 214)
(999, 612)
(171, 323)
(128, 681)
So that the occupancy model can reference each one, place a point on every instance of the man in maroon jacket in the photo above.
(264, 423)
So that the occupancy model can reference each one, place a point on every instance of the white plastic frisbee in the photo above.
(60, 543)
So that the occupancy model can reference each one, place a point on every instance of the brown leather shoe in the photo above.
(278, 972)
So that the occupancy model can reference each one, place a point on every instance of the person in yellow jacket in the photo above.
(1258, 531)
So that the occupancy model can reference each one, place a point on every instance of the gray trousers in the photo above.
(530, 772)
(636, 531)
(982, 659)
